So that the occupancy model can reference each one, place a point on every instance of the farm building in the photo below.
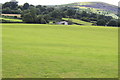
(62, 22)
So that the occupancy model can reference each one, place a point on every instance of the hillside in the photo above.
(96, 7)
(78, 22)
(98, 13)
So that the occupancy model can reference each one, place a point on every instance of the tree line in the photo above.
(45, 14)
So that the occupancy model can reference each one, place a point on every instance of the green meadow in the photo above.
(59, 51)
(78, 21)
(11, 20)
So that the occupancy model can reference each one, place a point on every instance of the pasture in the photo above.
(84, 23)
(59, 51)
(11, 20)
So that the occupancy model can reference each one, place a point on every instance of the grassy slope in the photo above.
(78, 21)
(96, 7)
(34, 50)
(12, 20)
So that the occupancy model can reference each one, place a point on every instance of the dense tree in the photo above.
(113, 23)
(71, 12)
(29, 16)
(11, 5)
(14, 5)
(84, 14)
(38, 6)
(56, 14)
(9, 11)
(101, 17)
(44, 14)
(6, 10)
(93, 15)
(118, 22)
(101, 22)
(5, 5)
(26, 6)
(43, 19)
(10, 8)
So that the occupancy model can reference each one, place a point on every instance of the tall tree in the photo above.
(29, 16)
(101, 22)
(12, 5)
(26, 6)
(113, 23)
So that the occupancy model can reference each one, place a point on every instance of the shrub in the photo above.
(113, 23)
(101, 22)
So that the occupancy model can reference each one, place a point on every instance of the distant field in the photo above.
(96, 7)
(18, 15)
(78, 21)
(11, 20)
(59, 51)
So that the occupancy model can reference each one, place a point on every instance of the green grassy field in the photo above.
(78, 21)
(12, 20)
(59, 51)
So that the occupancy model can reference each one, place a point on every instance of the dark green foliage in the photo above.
(71, 12)
(42, 19)
(6, 10)
(93, 15)
(9, 11)
(15, 16)
(29, 16)
(10, 8)
(84, 14)
(11, 5)
(38, 6)
(113, 23)
(118, 22)
(56, 14)
(44, 14)
(101, 16)
(70, 22)
(101, 22)
(26, 6)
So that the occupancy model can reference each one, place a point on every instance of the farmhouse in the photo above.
(62, 22)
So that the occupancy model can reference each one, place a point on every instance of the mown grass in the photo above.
(59, 51)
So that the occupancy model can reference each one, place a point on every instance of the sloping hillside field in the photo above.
(58, 51)
(95, 7)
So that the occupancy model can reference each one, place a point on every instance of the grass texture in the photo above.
(59, 51)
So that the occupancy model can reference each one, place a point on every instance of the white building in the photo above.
(62, 22)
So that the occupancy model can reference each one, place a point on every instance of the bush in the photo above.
(101, 22)
(118, 22)
(15, 16)
(113, 23)
(41, 20)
